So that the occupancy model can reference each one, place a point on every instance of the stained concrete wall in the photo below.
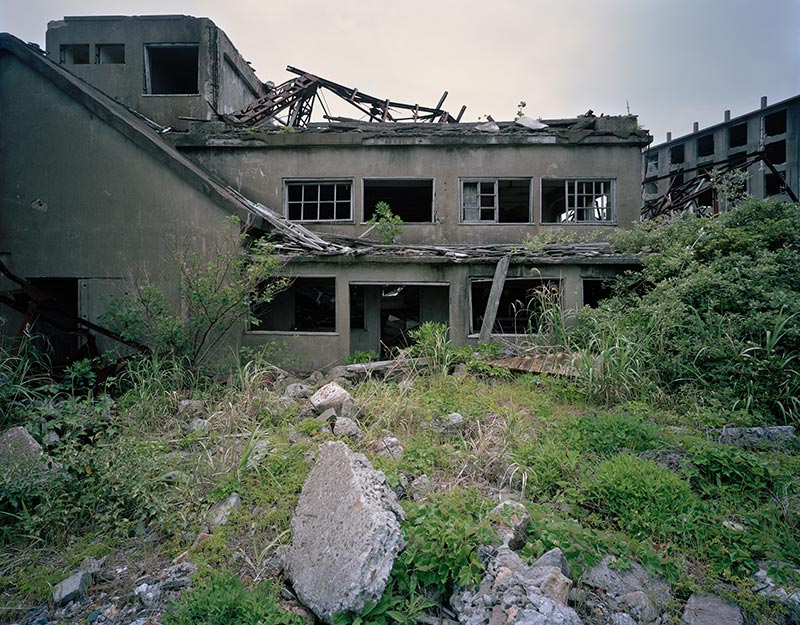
(260, 173)
(79, 200)
(226, 83)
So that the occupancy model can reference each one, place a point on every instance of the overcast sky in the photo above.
(672, 62)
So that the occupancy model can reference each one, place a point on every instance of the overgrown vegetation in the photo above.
(389, 225)
(616, 461)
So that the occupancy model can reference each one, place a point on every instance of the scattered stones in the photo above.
(511, 520)
(220, 513)
(703, 609)
(767, 587)
(345, 427)
(148, 594)
(315, 379)
(258, 453)
(329, 416)
(72, 589)
(387, 446)
(199, 425)
(349, 409)
(191, 408)
(330, 396)
(420, 487)
(555, 558)
(511, 592)
(452, 423)
(21, 455)
(298, 390)
(633, 591)
(778, 436)
(346, 534)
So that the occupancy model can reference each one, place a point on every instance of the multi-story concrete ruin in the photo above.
(131, 130)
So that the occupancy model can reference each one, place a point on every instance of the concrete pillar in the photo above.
(727, 115)
(763, 101)
(669, 136)
(695, 126)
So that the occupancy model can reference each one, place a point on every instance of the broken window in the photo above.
(776, 152)
(74, 53)
(171, 69)
(329, 200)
(651, 188)
(677, 154)
(595, 290)
(109, 53)
(705, 146)
(737, 135)
(411, 200)
(358, 307)
(652, 164)
(775, 123)
(773, 185)
(577, 201)
(307, 305)
(496, 200)
(676, 181)
(522, 304)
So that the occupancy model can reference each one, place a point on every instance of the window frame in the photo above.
(367, 179)
(289, 182)
(495, 181)
(251, 329)
(148, 81)
(611, 208)
(542, 280)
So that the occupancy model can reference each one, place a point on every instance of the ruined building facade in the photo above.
(106, 159)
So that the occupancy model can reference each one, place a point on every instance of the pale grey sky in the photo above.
(672, 61)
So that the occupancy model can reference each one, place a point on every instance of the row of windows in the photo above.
(309, 304)
(772, 125)
(169, 68)
(482, 200)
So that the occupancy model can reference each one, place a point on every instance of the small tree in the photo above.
(387, 223)
(218, 290)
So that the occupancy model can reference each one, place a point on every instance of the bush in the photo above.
(641, 497)
(608, 433)
(223, 599)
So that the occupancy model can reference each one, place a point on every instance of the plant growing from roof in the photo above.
(386, 222)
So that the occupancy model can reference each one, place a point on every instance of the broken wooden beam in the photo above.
(494, 299)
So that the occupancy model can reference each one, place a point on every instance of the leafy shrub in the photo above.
(388, 224)
(431, 342)
(362, 356)
(442, 539)
(608, 433)
(223, 599)
(641, 497)
(550, 466)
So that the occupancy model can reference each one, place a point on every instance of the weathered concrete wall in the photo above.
(225, 81)
(80, 200)
(259, 173)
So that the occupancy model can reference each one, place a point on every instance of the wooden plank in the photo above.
(494, 299)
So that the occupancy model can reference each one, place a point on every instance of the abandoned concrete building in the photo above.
(131, 129)
(765, 144)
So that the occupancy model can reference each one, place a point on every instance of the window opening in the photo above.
(109, 53)
(776, 152)
(737, 135)
(652, 164)
(358, 316)
(773, 185)
(705, 146)
(775, 123)
(651, 188)
(501, 200)
(74, 53)
(171, 69)
(677, 154)
(522, 304)
(596, 290)
(411, 200)
(307, 305)
(577, 201)
(319, 201)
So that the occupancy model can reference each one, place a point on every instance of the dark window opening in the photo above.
(595, 290)
(522, 304)
(706, 198)
(776, 152)
(735, 160)
(110, 53)
(676, 181)
(307, 305)
(358, 307)
(705, 146)
(677, 154)
(172, 69)
(411, 200)
(577, 201)
(319, 201)
(737, 135)
(775, 123)
(652, 164)
(496, 200)
(74, 54)
(773, 185)
(651, 188)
